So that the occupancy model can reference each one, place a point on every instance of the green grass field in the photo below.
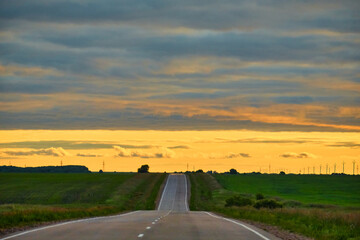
(32, 198)
(61, 188)
(316, 189)
(316, 220)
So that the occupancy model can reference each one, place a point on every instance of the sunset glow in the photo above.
(246, 151)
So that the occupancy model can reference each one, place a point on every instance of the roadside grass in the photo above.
(333, 222)
(29, 199)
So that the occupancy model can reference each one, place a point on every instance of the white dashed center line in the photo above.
(153, 222)
(140, 235)
(148, 227)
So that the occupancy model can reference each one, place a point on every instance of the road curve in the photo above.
(172, 220)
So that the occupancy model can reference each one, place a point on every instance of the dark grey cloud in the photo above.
(192, 14)
(33, 88)
(231, 88)
(246, 46)
(258, 54)
(294, 99)
(130, 120)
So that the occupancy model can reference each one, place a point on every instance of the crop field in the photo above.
(342, 190)
(31, 198)
(301, 202)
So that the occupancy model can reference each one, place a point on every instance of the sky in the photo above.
(209, 84)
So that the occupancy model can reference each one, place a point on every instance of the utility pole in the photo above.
(343, 167)
(320, 169)
(327, 168)
(313, 169)
(308, 170)
(269, 168)
(187, 167)
(354, 167)
(335, 168)
(103, 166)
(61, 163)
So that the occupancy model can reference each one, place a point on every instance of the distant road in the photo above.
(172, 220)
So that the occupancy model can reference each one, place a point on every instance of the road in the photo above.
(172, 220)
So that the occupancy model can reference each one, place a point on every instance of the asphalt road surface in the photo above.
(172, 220)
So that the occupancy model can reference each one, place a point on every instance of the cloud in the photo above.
(187, 15)
(228, 155)
(56, 152)
(88, 155)
(179, 147)
(261, 140)
(345, 144)
(236, 155)
(131, 119)
(297, 155)
(69, 145)
(161, 152)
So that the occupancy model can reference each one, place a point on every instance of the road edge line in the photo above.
(162, 195)
(186, 187)
(65, 223)
(240, 224)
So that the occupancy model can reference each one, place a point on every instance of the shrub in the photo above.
(267, 203)
(259, 196)
(238, 201)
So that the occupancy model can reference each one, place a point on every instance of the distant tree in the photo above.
(143, 169)
(282, 173)
(46, 169)
(233, 171)
(200, 171)
(100, 171)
